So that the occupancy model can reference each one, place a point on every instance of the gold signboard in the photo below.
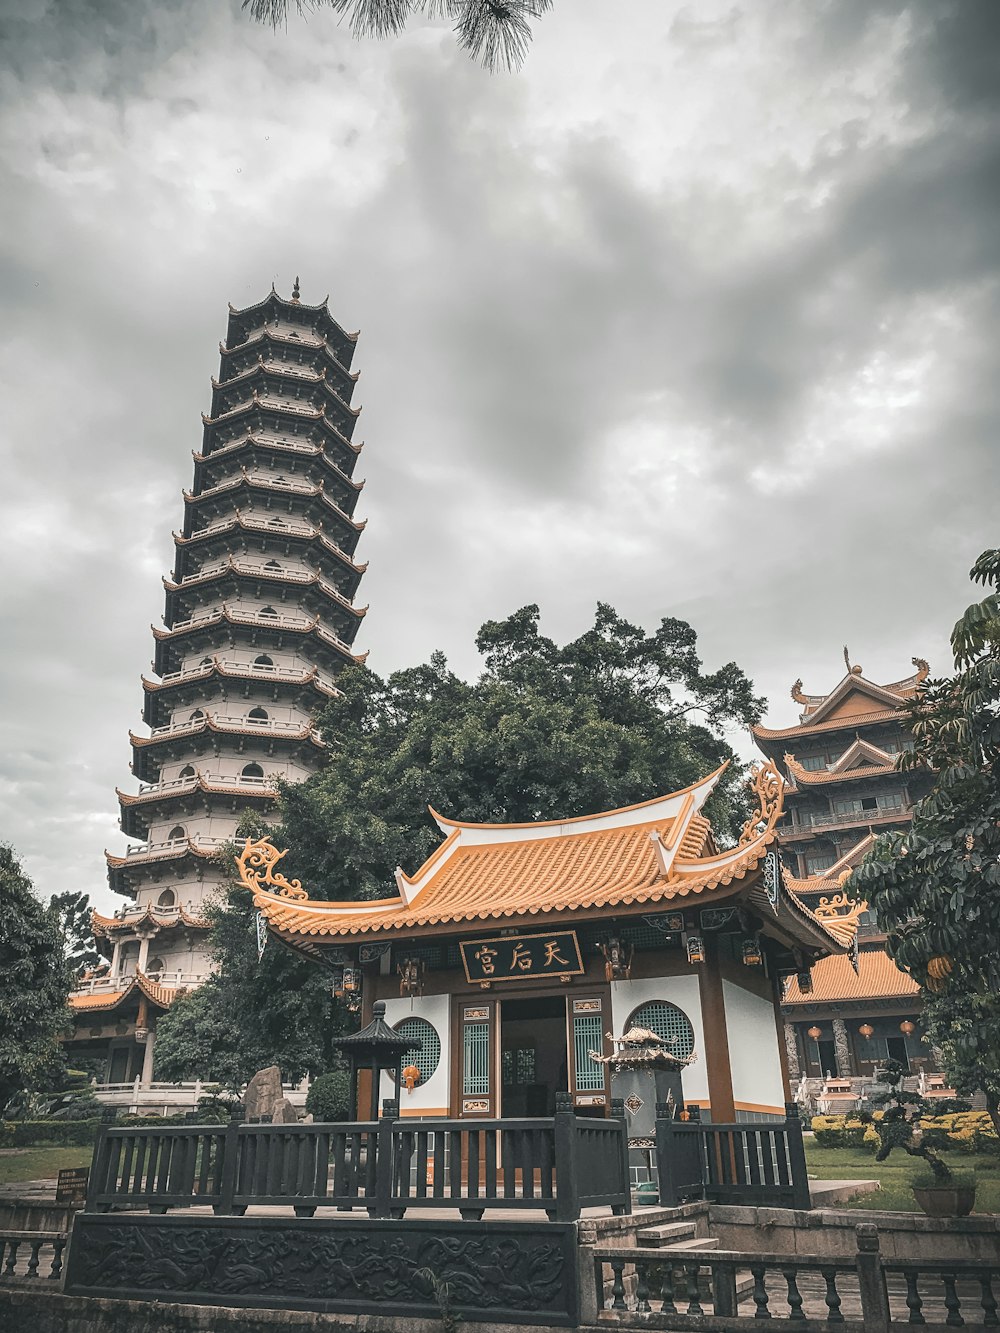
(522, 957)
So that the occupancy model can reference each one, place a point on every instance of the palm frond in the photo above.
(496, 32)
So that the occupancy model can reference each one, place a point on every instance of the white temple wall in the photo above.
(430, 1098)
(753, 1050)
(684, 992)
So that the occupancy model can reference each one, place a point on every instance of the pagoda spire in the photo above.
(295, 289)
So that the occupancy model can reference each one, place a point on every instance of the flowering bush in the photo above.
(965, 1131)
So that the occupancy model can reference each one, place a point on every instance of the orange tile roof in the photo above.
(163, 996)
(807, 777)
(834, 724)
(654, 853)
(833, 979)
(103, 925)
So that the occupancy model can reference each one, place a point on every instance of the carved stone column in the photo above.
(792, 1047)
(842, 1048)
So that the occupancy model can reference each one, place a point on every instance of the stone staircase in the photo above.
(681, 1239)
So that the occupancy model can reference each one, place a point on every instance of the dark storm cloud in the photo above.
(696, 316)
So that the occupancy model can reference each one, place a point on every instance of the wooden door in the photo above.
(477, 1072)
(587, 1016)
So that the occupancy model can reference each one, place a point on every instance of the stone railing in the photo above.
(861, 1293)
(26, 1256)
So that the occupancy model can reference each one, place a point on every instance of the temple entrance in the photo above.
(827, 1058)
(533, 1055)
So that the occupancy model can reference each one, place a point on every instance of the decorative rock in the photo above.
(264, 1095)
(285, 1113)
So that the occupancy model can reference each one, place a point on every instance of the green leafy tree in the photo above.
(965, 1028)
(936, 887)
(73, 914)
(252, 1012)
(34, 984)
(495, 32)
(546, 732)
(901, 1123)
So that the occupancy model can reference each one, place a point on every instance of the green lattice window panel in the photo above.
(670, 1024)
(428, 1057)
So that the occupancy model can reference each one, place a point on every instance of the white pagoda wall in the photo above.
(430, 1098)
(753, 1050)
(683, 991)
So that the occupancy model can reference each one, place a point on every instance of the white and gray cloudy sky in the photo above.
(698, 315)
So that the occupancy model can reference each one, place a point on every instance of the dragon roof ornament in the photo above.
(768, 788)
(256, 865)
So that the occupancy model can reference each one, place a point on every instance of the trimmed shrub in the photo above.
(329, 1098)
(56, 1133)
(967, 1132)
(838, 1131)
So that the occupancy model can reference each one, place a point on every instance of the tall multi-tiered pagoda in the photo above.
(259, 619)
(842, 789)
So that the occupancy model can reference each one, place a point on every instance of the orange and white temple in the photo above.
(516, 951)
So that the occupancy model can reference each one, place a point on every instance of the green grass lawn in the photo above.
(18, 1164)
(896, 1175)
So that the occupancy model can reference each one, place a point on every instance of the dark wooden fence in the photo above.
(751, 1163)
(859, 1293)
(561, 1165)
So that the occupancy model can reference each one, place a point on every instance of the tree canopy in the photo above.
(936, 887)
(72, 910)
(545, 732)
(495, 32)
(34, 984)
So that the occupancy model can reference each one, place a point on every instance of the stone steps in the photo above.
(667, 1234)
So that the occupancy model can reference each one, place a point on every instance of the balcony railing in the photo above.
(282, 528)
(259, 724)
(151, 849)
(107, 985)
(216, 780)
(249, 567)
(279, 672)
(809, 823)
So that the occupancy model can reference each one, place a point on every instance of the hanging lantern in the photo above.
(352, 980)
(695, 949)
(867, 1031)
(411, 976)
(617, 959)
(337, 989)
(907, 1028)
(815, 1032)
(751, 952)
(411, 1077)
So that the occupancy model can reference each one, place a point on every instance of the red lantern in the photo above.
(907, 1028)
(867, 1031)
(815, 1032)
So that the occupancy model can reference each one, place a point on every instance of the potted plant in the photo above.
(938, 1191)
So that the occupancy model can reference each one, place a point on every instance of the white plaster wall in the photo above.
(434, 1094)
(753, 1049)
(682, 991)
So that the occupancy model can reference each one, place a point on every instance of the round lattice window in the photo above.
(428, 1056)
(670, 1024)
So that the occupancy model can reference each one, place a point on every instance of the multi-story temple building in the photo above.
(842, 789)
(259, 619)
